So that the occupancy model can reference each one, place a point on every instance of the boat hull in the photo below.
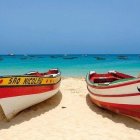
(122, 98)
(132, 111)
(14, 104)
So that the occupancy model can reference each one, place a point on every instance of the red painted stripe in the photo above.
(113, 95)
(114, 86)
(125, 109)
(20, 91)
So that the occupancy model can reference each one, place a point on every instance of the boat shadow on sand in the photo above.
(33, 111)
(117, 118)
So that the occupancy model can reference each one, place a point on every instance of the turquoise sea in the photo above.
(70, 65)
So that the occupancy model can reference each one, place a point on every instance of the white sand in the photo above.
(80, 120)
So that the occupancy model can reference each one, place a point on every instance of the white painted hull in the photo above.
(12, 105)
(129, 100)
(132, 88)
(123, 90)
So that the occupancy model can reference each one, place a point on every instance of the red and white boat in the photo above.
(18, 92)
(115, 91)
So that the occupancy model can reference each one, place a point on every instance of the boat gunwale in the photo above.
(58, 75)
(10, 86)
(9, 76)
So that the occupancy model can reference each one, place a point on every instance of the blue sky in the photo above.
(74, 26)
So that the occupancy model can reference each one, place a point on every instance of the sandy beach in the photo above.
(69, 115)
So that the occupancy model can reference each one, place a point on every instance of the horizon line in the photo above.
(71, 54)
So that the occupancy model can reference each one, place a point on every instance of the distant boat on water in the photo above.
(100, 58)
(31, 55)
(74, 57)
(55, 56)
(11, 54)
(123, 57)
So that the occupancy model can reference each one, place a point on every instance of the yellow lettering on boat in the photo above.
(9, 81)
(32, 81)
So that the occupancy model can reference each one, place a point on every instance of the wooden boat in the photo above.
(18, 92)
(115, 91)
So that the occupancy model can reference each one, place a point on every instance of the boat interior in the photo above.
(107, 78)
(50, 73)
